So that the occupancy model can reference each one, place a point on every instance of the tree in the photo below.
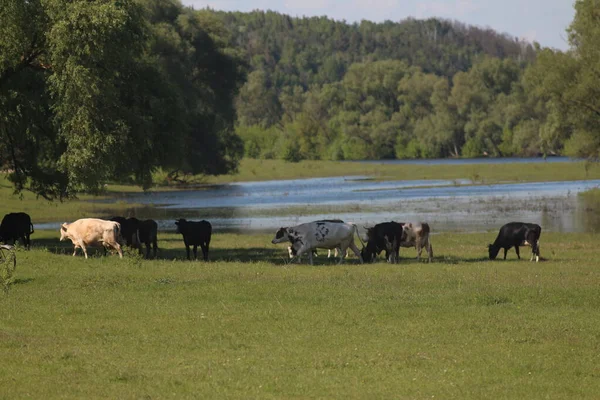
(570, 82)
(94, 91)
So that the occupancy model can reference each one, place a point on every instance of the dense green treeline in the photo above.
(106, 90)
(324, 89)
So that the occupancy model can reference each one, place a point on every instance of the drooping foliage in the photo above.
(94, 91)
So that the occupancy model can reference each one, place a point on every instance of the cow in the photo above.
(384, 236)
(515, 234)
(92, 232)
(148, 235)
(390, 236)
(195, 233)
(292, 250)
(16, 226)
(319, 234)
(417, 236)
(129, 231)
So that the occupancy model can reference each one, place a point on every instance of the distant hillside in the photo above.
(319, 50)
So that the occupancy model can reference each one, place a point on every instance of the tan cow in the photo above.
(92, 232)
(417, 235)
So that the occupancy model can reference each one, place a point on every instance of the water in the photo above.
(448, 205)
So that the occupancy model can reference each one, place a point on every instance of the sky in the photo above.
(543, 21)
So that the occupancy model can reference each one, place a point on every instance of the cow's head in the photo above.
(179, 223)
(369, 252)
(63, 231)
(493, 251)
(281, 236)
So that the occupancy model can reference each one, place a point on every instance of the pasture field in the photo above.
(247, 325)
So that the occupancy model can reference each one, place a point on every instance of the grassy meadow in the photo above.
(248, 325)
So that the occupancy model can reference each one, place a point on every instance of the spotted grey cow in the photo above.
(305, 238)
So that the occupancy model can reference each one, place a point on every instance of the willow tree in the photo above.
(92, 91)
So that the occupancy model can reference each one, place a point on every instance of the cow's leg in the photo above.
(84, 250)
(419, 247)
(356, 251)
(195, 252)
(429, 250)
(187, 250)
(517, 251)
(505, 251)
(537, 251)
(204, 247)
(75, 249)
(154, 247)
(117, 246)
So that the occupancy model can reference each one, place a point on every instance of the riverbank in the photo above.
(247, 325)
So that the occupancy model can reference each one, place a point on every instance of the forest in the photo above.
(114, 90)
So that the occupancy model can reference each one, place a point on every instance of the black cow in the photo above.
(129, 231)
(515, 234)
(384, 236)
(16, 226)
(148, 235)
(195, 233)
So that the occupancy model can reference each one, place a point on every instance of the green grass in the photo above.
(247, 325)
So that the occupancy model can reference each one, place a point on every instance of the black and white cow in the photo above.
(16, 226)
(515, 234)
(307, 237)
(292, 250)
(195, 233)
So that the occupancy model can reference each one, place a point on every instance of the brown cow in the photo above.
(417, 235)
(92, 232)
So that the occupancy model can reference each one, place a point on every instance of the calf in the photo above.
(16, 226)
(194, 234)
(417, 236)
(319, 234)
(92, 232)
(384, 236)
(517, 234)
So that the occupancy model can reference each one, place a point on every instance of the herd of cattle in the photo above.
(333, 234)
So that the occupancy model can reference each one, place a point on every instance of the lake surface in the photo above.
(448, 205)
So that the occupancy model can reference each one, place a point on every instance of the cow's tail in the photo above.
(31, 226)
(357, 234)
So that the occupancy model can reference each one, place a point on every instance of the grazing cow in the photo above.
(16, 226)
(194, 234)
(92, 232)
(129, 231)
(384, 236)
(417, 236)
(319, 234)
(517, 234)
(292, 250)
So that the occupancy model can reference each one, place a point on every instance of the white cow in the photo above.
(305, 238)
(92, 232)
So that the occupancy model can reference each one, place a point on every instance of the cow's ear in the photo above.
(64, 227)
